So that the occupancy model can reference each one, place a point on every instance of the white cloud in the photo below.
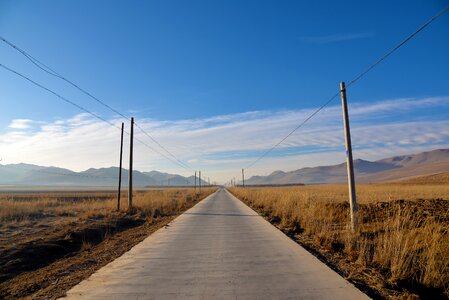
(20, 124)
(222, 145)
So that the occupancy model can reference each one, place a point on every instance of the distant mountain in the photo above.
(169, 179)
(388, 169)
(33, 175)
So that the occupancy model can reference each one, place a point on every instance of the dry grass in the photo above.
(403, 235)
(440, 178)
(26, 207)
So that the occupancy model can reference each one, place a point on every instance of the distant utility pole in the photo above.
(208, 180)
(130, 174)
(349, 161)
(119, 192)
(195, 181)
(235, 184)
(199, 181)
(243, 177)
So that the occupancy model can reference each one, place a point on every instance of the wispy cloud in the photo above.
(338, 37)
(222, 145)
(20, 124)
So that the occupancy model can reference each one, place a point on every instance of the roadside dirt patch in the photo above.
(55, 278)
(63, 241)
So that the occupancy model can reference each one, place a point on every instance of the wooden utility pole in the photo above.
(243, 177)
(119, 192)
(349, 161)
(130, 174)
(199, 181)
(195, 181)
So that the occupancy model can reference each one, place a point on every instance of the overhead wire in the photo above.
(58, 95)
(52, 72)
(352, 82)
(86, 111)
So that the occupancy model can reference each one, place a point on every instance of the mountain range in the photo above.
(33, 175)
(389, 169)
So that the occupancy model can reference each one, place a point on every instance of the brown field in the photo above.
(401, 249)
(50, 242)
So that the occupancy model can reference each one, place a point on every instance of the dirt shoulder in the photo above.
(46, 266)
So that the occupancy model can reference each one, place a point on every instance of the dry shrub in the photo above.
(403, 233)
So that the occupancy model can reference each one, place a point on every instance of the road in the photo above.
(219, 249)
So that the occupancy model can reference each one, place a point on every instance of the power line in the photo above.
(59, 96)
(87, 111)
(357, 78)
(162, 154)
(33, 60)
(166, 150)
(386, 55)
(50, 71)
(295, 129)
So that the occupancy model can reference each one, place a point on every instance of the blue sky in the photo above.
(191, 70)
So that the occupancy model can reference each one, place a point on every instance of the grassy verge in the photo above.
(50, 242)
(401, 248)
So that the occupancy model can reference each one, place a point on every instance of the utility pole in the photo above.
(208, 180)
(349, 161)
(243, 177)
(119, 192)
(195, 181)
(130, 174)
(199, 181)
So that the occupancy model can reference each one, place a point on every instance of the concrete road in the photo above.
(219, 249)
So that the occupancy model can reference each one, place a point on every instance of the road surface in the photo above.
(219, 249)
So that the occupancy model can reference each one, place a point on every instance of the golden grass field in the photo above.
(402, 243)
(26, 207)
(64, 237)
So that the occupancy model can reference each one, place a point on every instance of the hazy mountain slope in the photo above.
(407, 172)
(324, 174)
(173, 179)
(418, 159)
(33, 175)
(109, 176)
(388, 169)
